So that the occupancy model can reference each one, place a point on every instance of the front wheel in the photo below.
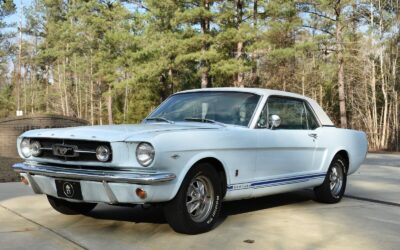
(197, 204)
(334, 185)
(70, 208)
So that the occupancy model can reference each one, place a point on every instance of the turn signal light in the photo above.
(141, 193)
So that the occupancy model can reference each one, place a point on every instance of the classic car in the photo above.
(196, 150)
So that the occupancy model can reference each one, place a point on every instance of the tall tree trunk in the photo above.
(255, 13)
(374, 135)
(109, 105)
(384, 122)
(303, 81)
(204, 78)
(24, 89)
(91, 89)
(396, 119)
(86, 103)
(100, 110)
(19, 64)
(47, 97)
(395, 102)
(65, 87)
(205, 27)
(374, 108)
(125, 97)
(60, 88)
(254, 77)
(79, 98)
(33, 90)
(240, 75)
(239, 45)
(321, 95)
(171, 79)
(340, 63)
(76, 87)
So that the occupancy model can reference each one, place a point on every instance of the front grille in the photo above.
(83, 150)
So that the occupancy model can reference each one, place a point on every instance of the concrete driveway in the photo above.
(367, 218)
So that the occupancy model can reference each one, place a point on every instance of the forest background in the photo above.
(112, 62)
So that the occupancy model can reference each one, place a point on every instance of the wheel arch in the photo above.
(345, 155)
(220, 169)
(201, 158)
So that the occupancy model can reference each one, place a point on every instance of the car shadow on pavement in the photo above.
(137, 214)
(266, 202)
(154, 214)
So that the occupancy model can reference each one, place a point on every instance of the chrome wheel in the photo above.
(200, 198)
(336, 180)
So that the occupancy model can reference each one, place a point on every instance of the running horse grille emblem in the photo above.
(65, 150)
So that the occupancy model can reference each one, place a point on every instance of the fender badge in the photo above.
(175, 156)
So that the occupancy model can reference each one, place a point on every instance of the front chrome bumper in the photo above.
(122, 176)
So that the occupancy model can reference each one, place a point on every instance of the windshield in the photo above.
(234, 108)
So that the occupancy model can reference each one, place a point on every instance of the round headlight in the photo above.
(103, 153)
(145, 154)
(36, 148)
(25, 148)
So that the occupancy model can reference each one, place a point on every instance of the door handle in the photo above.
(313, 135)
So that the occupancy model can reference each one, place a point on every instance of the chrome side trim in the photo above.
(146, 178)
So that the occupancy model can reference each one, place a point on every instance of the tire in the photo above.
(334, 185)
(200, 193)
(70, 208)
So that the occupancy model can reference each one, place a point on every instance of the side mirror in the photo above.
(275, 121)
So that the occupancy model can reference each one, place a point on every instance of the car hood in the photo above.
(113, 133)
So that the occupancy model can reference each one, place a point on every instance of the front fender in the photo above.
(190, 163)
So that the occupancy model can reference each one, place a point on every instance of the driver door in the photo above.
(287, 151)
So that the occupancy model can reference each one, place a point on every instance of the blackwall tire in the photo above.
(196, 207)
(334, 185)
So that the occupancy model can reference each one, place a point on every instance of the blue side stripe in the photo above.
(285, 183)
(283, 178)
(289, 179)
(276, 182)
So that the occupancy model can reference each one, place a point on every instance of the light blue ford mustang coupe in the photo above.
(197, 149)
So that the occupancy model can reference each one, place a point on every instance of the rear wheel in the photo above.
(196, 207)
(70, 208)
(334, 185)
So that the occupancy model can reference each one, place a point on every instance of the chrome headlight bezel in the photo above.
(25, 147)
(35, 148)
(145, 154)
(103, 153)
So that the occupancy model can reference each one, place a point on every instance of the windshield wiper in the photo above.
(205, 120)
(162, 119)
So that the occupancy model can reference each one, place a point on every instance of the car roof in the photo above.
(258, 91)
(322, 116)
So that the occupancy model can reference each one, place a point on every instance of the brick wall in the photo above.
(11, 128)
(6, 173)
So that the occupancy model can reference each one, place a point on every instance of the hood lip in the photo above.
(125, 136)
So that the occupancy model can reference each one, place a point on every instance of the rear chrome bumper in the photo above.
(121, 176)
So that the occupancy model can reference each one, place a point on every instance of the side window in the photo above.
(263, 120)
(294, 114)
(311, 120)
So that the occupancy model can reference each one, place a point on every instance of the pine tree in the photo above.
(7, 7)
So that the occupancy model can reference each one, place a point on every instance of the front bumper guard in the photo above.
(121, 176)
